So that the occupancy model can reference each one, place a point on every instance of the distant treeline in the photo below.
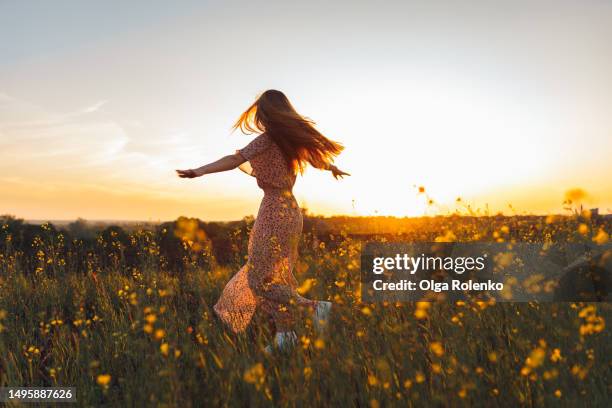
(190, 242)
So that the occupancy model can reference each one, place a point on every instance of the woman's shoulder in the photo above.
(265, 137)
(262, 138)
(262, 142)
(258, 145)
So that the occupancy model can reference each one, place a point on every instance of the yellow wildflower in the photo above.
(437, 348)
(103, 380)
(255, 375)
(164, 348)
(307, 372)
(555, 355)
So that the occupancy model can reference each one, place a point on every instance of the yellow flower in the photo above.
(372, 380)
(306, 286)
(307, 372)
(550, 374)
(587, 311)
(593, 323)
(150, 318)
(319, 344)
(103, 380)
(558, 393)
(255, 374)
(601, 238)
(493, 357)
(421, 310)
(579, 371)
(160, 334)
(437, 348)
(536, 358)
(164, 349)
(448, 236)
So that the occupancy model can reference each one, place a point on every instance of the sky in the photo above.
(507, 105)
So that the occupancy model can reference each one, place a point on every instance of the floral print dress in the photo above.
(267, 281)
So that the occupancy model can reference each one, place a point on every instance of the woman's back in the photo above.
(265, 162)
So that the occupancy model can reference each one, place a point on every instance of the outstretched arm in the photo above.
(226, 163)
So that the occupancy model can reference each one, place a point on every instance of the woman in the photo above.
(286, 144)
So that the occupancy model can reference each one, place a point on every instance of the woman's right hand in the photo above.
(189, 173)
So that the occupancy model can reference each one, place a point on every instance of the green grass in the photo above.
(154, 333)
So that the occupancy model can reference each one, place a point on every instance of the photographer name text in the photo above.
(424, 263)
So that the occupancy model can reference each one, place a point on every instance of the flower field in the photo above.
(125, 316)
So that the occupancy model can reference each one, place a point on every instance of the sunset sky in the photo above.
(494, 102)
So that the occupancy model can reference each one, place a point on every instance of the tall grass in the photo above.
(144, 334)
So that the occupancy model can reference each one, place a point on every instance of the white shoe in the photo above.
(282, 341)
(321, 315)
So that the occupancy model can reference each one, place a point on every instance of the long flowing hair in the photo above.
(294, 134)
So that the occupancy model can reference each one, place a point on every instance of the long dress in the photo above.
(266, 281)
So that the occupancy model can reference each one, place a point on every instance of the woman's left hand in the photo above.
(337, 173)
(190, 173)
